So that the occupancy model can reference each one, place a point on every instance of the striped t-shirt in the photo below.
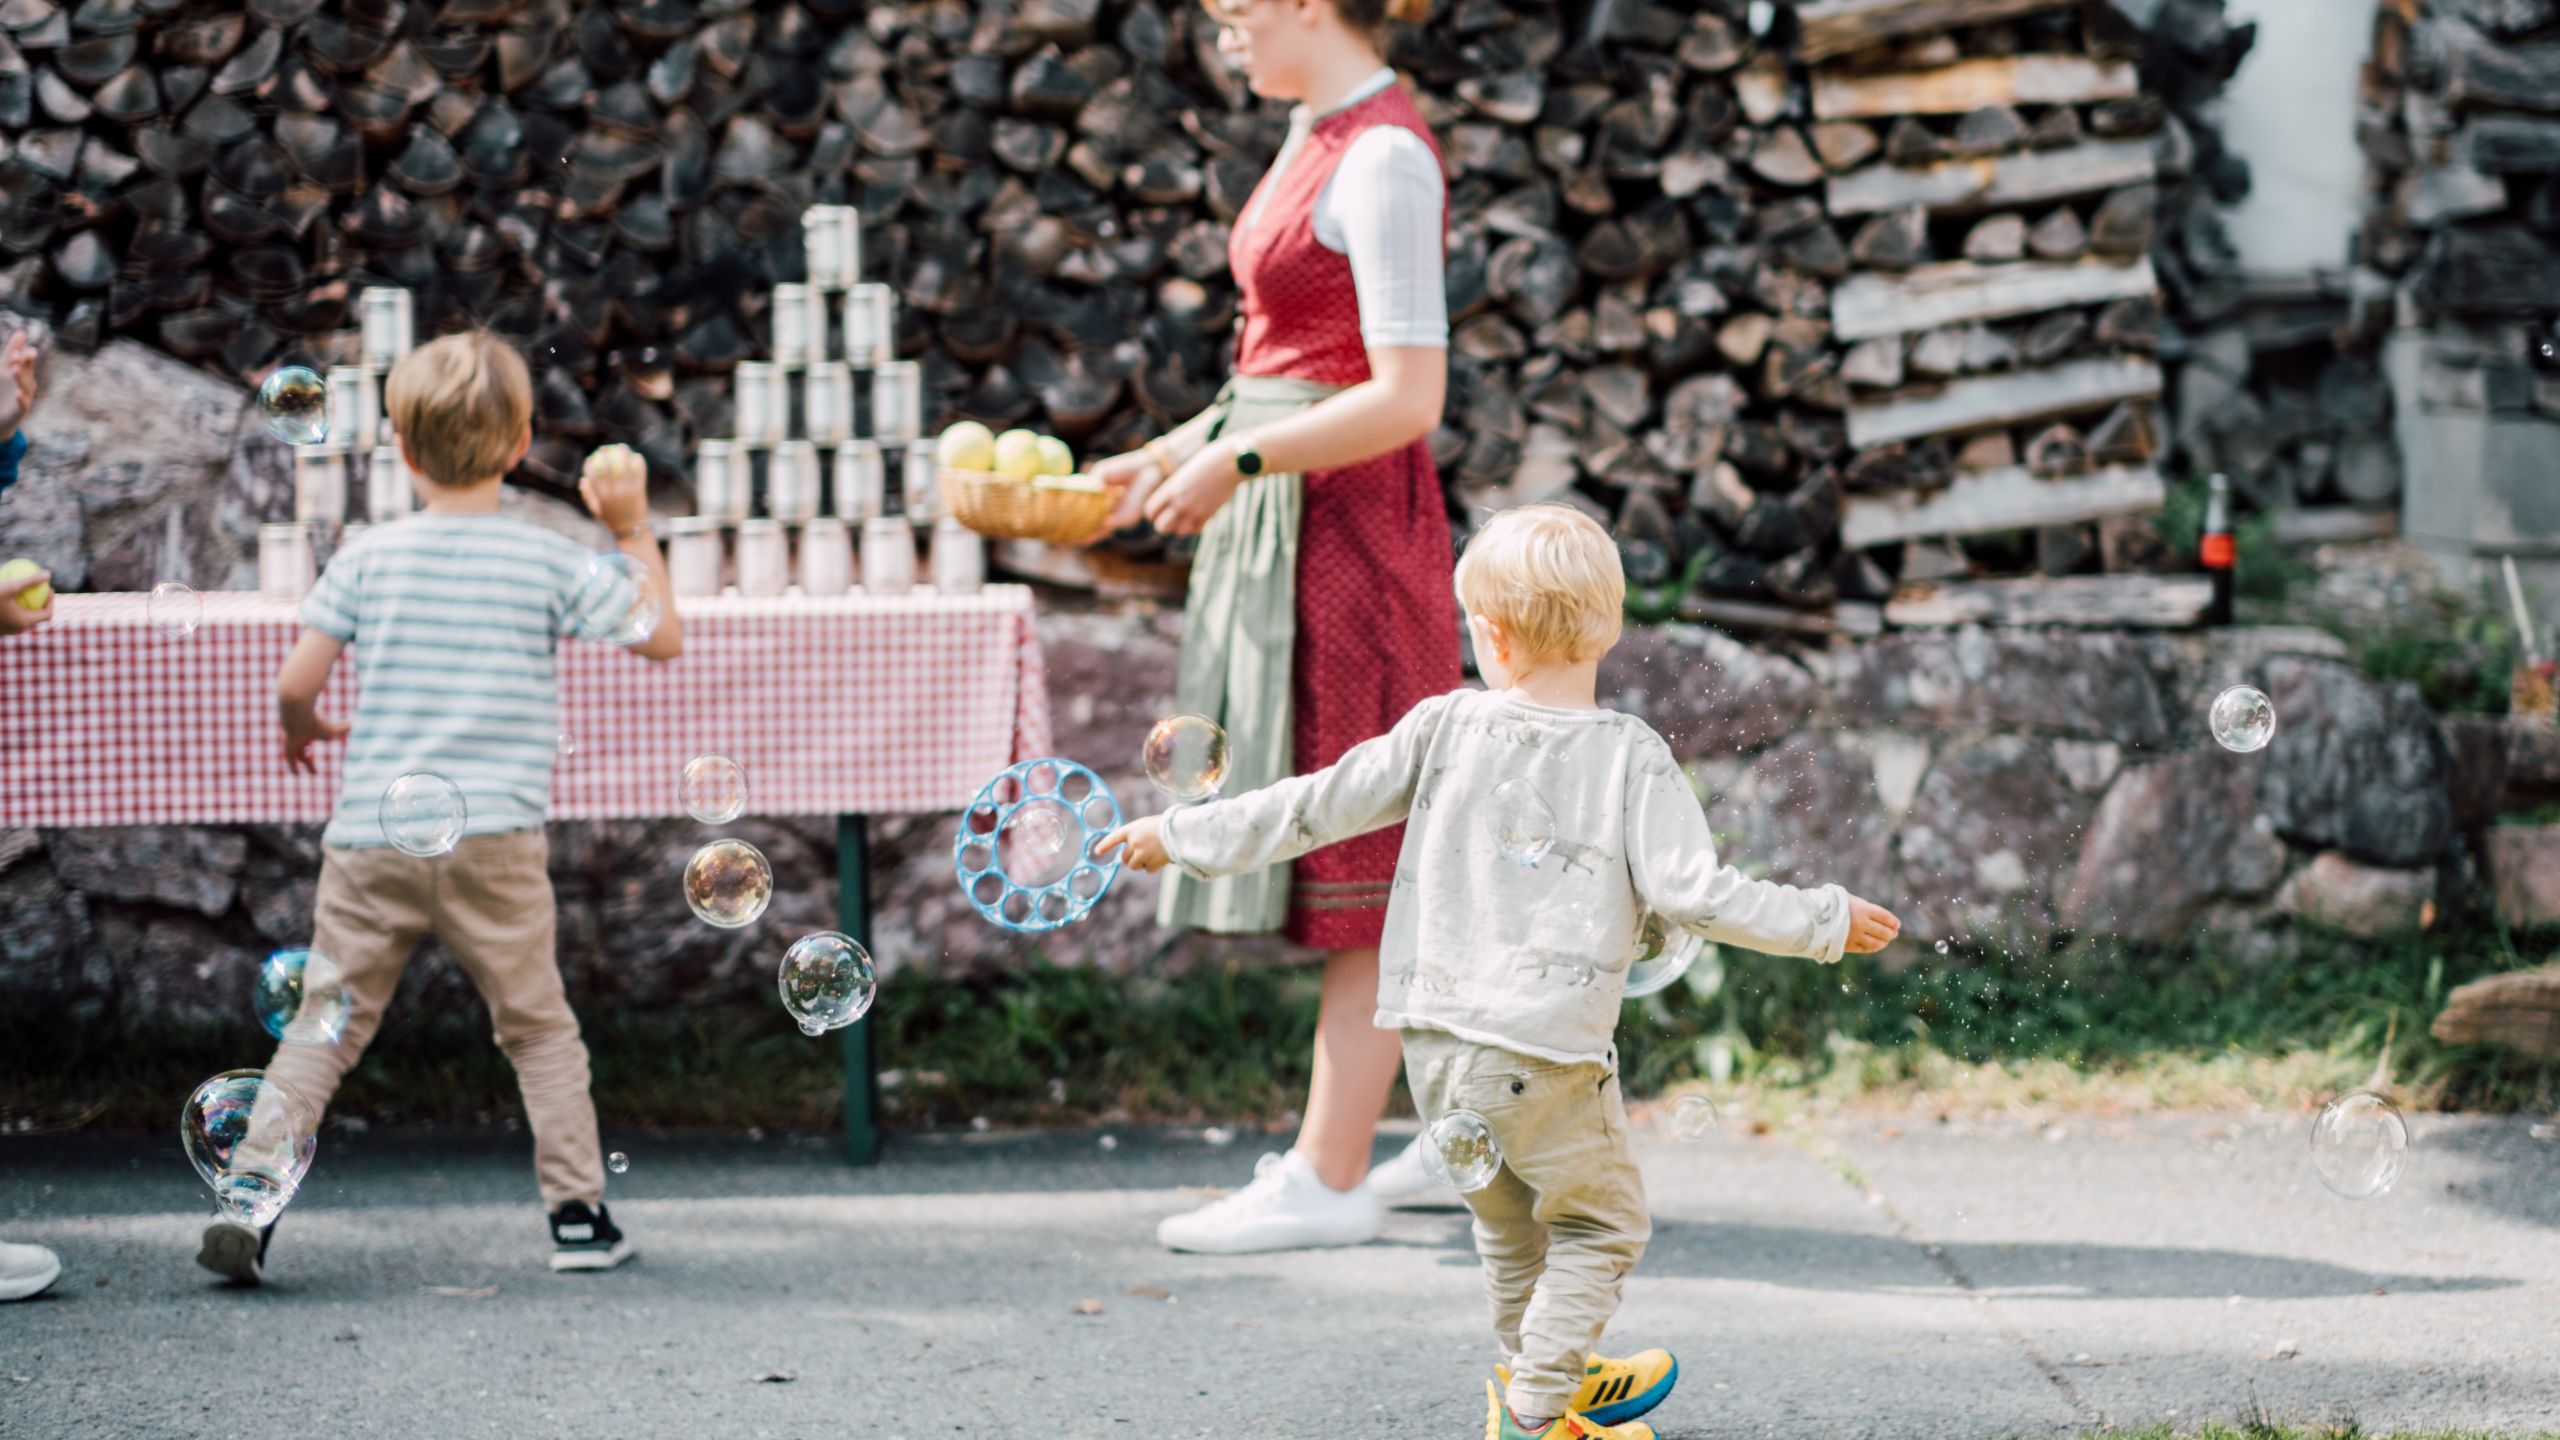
(456, 622)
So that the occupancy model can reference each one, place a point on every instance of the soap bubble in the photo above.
(175, 610)
(302, 998)
(611, 602)
(714, 789)
(295, 401)
(2358, 1145)
(567, 743)
(1693, 1118)
(728, 883)
(1459, 1151)
(2244, 719)
(1039, 843)
(1186, 756)
(251, 1139)
(1524, 828)
(423, 813)
(617, 1162)
(827, 981)
(1664, 953)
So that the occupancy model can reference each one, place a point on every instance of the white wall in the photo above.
(2292, 112)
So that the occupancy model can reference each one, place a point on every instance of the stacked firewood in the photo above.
(1715, 266)
(2461, 134)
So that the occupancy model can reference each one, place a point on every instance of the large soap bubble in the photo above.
(714, 789)
(1459, 1151)
(1186, 756)
(827, 981)
(728, 883)
(2243, 719)
(252, 1140)
(302, 998)
(423, 814)
(295, 404)
(2358, 1144)
(1524, 828)
(612, 602)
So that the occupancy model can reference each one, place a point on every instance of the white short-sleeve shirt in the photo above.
(1381, 209)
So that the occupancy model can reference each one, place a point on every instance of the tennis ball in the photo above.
(1018, 454)
(1055, 457)
(15, 573)
(966, 446)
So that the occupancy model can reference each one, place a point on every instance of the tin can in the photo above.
(813, 305)
(959, 558)
(791, 482)
(897, 402)
(826, 557)
(286, 565)
(355, 406)
(831, 239)
(764, 558)
(390, 326)
(888, 555)
(826, 407)
(758, 393)
(791, 325)
(388, 494)
(320, 483)
(920, 485)
(861, 481)
(693, 555)
(869, 326)
(720, 477)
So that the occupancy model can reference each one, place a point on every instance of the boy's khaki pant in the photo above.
(1564, 1219)
(490, 903)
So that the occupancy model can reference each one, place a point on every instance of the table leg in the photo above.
(861, 1063)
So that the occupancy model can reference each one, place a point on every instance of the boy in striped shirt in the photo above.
(458, 612)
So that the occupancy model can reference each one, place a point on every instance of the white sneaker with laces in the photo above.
(1285, 1208)
(26, 1271)
(1403, 1181)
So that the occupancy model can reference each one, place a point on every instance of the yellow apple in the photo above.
(1018, 454)
(1055, 457)
(1082, 484)
(966, 446)
(14, 575)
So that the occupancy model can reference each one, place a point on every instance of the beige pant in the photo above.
(1564, 1219)
(490, 903)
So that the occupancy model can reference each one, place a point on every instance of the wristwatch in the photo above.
(1248, 458)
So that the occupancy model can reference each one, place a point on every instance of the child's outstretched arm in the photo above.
(298, 687)
(1369, 788)
(1671, 855)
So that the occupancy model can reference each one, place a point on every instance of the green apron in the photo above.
(1239, 639)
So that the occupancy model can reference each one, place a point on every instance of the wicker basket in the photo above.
(1007, 509)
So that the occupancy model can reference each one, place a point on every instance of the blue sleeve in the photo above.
(10, 454)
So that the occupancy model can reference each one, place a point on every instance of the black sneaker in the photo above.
(584, 1239)
(235, 1251)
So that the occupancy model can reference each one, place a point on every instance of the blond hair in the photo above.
(1549, 576)
(461, 405)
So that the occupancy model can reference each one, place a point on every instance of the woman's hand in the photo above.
(1130, 477)
(1207, 481)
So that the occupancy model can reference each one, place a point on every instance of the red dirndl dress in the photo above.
(1377, 611)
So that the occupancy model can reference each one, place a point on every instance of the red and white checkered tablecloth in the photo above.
(857, 704)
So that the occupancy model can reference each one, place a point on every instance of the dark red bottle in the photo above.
(2218, 552)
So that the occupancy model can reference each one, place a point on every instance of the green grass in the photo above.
(2462, 659)
(2095, 1027)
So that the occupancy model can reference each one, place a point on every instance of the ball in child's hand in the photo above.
(14, 575)
(966, 446)
(1018, 454)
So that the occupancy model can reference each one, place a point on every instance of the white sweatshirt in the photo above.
(1528, 958)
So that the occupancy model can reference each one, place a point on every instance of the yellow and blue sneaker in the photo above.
(1616, 1391)
(1500, 1424)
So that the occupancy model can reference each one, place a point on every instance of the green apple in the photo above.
(14, 575)
(1018, 454)
(966, 446)
(1055, 457)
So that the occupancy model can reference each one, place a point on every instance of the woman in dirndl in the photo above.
(1321, 605)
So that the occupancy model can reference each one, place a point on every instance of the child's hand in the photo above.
(616, 485)
(17, 383)
(1142, 840)
(305, 727)
(15, 617)
(1871, 927)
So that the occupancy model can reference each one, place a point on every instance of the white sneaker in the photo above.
(1285, 1208)
(26, 1271)
(1403, 1181)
